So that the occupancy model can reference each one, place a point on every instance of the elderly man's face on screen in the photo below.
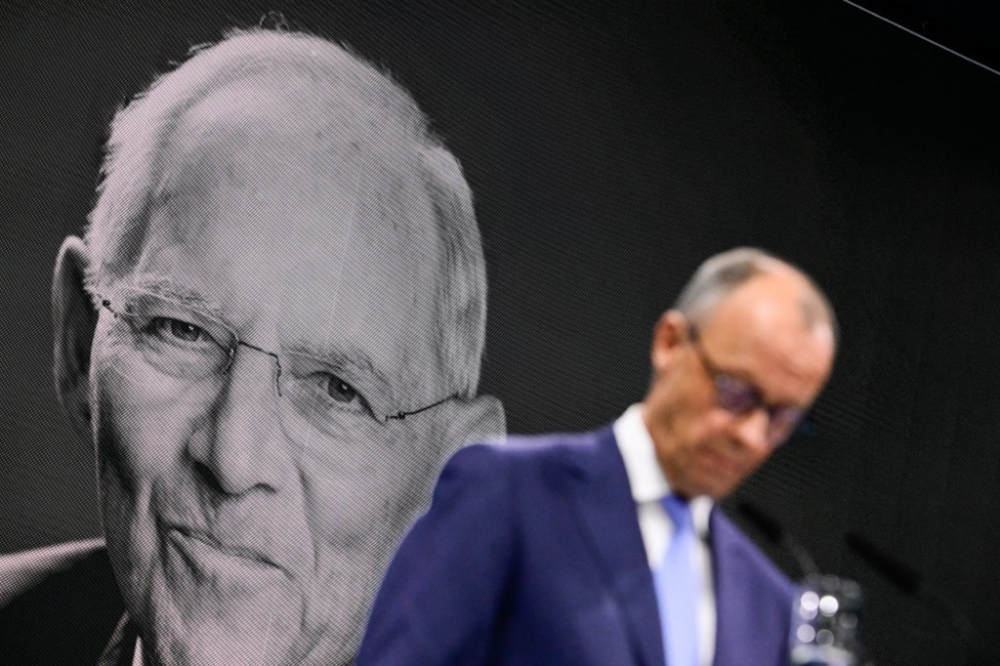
(248, 371)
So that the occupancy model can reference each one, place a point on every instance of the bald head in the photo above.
(737, 362)
(722, 274)
(298, 104)
(765, 321)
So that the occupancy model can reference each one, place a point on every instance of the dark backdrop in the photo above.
(611, 148)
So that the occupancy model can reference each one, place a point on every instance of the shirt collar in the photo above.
(645, 476)
(137, 655)
(124, 648)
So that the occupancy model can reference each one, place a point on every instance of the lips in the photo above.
(722, 463)
(229, 549)
(202, 551)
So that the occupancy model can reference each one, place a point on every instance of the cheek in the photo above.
(142, 418)
(137, 430)
(707, 427)
(361, 482)
(140, 439)
(696, 418)
(361, 494)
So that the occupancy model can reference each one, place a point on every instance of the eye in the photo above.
(340, 390)
(181, 330)
(736, 395)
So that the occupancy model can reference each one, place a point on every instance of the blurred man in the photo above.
(272, 332)
(605, 548)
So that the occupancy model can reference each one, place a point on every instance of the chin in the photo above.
(214, 645)
(208, 648)
(261, 639)
(187, 624)
(710, 485)
(721, 487)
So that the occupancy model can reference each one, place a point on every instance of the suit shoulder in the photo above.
(491, 471)
(61, 604)
(548, 447)
(523, 466)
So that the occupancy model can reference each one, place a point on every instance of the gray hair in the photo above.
(721, 274)
(131, 171)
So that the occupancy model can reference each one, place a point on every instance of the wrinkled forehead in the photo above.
(277, 208)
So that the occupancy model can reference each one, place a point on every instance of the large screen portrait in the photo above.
(267, 266)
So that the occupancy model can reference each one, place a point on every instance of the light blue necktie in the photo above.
(677, 586)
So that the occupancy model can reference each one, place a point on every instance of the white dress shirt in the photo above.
(137, 657)
(649, 486)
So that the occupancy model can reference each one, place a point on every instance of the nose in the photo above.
(241, 446)
(752, 431)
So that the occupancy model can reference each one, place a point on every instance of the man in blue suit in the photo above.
(605, 547)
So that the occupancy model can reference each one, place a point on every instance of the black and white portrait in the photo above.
(267, 266)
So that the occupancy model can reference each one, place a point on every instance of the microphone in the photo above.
(773, 530)
(910, 582)
(826, 613)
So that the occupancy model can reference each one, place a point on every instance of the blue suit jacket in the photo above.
(531, 554)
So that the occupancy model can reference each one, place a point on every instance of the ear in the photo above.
(74, 321)
(671, 332)
(479, 419)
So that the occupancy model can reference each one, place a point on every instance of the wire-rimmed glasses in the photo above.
(190, 345)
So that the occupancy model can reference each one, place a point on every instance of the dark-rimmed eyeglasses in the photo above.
(740, 397)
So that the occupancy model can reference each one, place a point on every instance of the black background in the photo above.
(611, 148)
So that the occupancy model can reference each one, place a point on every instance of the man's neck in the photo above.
(661, 444)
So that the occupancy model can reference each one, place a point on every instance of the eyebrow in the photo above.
(171, 289)
(350, 358)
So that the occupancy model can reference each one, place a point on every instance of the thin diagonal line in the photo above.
(923, 37)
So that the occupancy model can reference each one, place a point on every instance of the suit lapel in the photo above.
(737, 640)
(607, 515)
